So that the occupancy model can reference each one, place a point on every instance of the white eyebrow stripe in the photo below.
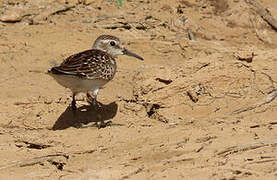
(105, 40)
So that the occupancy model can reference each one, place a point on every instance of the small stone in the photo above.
(11, 17)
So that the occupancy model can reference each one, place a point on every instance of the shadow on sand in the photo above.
(84, 115)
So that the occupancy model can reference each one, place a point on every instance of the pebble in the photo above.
(11, 17)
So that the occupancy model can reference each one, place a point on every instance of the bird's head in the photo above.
(113, 46)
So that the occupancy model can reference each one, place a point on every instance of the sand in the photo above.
(202, 105)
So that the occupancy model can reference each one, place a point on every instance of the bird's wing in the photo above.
(86, 64)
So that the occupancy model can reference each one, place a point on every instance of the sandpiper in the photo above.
(91, 69)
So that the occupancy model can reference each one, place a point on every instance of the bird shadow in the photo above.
(85, 115)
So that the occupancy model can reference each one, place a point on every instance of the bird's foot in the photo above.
(102, 124)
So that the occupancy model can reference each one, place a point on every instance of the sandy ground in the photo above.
(201, 106)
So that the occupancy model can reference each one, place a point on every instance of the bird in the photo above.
(89, 70)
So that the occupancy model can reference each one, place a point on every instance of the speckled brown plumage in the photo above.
(90, 64)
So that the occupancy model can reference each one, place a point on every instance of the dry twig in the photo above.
(270, 97)
(264, 13)
(33, 161)
(263, 161)
(133, 173)
(41, 159)
(235, 149)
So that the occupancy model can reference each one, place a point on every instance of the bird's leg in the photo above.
(73, 103)
(92, 98)
(95, 103)
(100, 122)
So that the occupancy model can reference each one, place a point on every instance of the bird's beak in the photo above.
(129, 53)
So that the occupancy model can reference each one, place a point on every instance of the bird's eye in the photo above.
(112, 43)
